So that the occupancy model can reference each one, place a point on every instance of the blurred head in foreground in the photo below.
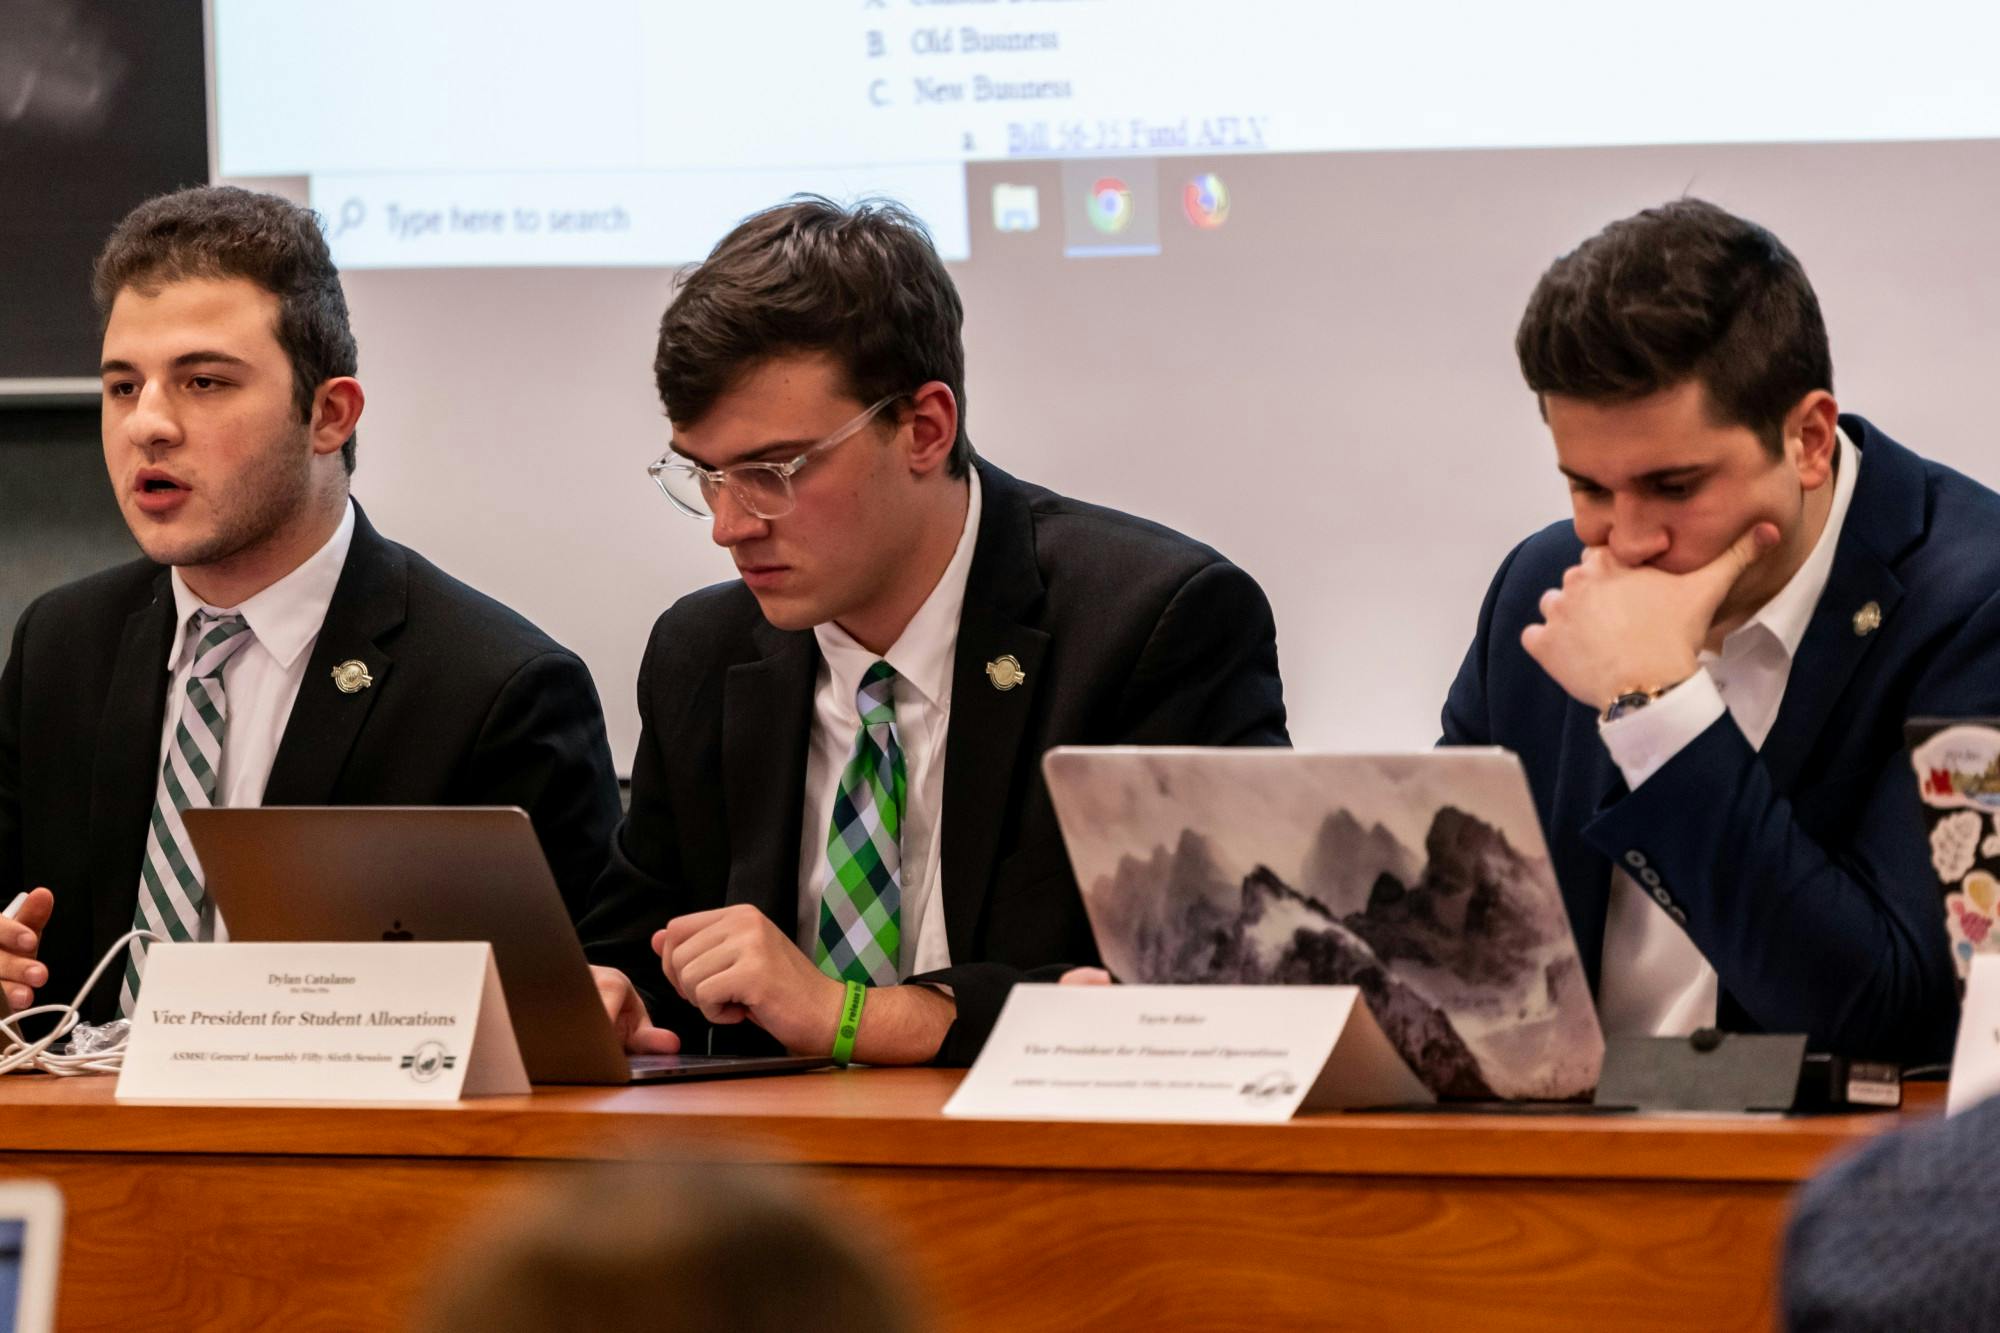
(684, 1249)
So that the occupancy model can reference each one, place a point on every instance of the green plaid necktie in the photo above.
(170, 891)
(861, 898)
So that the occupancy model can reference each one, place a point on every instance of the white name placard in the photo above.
(1975, 1062)
(1189, 1053)
(394, 1022)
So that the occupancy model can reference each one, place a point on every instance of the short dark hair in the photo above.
(1685, 291)
(219, 231)
(692, 1248)
(863, 283)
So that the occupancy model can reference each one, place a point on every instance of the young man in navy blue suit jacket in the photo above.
(1706, 673)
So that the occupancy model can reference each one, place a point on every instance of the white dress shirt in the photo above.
(261, 680)
(1654, 981)
(922, 657)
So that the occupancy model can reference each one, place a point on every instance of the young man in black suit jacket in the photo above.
(357, 672)
(782, 863)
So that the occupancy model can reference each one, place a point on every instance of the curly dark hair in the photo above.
(219, 231)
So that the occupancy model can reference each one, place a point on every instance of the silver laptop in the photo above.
(31, 1220)
(1421, 878)
(337, 873)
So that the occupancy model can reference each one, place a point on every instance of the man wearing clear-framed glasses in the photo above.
(839, 838)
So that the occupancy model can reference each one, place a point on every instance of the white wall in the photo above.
(1325, 389)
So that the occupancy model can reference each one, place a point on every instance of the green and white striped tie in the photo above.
(860, 905)
(170, 890)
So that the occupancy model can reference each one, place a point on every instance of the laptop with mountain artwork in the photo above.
(1421, 878)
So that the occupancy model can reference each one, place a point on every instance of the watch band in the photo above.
(1631, 701)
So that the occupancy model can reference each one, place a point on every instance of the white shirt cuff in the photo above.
(1641, 743)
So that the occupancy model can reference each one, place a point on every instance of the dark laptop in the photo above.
(364, 873)
(1956, 763)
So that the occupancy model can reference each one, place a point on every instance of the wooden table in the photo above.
(318, 1217)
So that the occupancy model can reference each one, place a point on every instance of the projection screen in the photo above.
(1250, 269)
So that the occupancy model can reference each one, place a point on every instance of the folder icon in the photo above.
(1016, 208)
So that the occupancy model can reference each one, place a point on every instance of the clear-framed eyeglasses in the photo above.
(761, 489)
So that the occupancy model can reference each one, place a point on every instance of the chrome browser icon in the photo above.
(1206, 201)
(1110, 205)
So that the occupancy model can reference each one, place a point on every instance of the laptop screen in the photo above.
(13, 1235)
(1957, 763)
(31, 1214)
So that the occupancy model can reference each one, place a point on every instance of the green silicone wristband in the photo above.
(850, 1023)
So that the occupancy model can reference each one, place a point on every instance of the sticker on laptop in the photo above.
(1957, 768)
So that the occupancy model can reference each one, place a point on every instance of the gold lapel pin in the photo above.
(351, 677)
(1005, 672)
(1868, 619)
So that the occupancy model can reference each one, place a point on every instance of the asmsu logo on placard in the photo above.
(428, 1061)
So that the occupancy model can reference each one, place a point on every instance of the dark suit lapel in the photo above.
(1884, 518)
(767, 721)
(369, 604)
(984, 762)
(1827, 658)
(126, 776)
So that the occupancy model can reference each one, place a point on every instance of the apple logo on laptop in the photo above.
(396, 932)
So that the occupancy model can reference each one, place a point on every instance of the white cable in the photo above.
(21, 1053)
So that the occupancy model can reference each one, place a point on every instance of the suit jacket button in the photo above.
(1680, 917)
(1663, 898)
(1635, 858)
(1649, 877)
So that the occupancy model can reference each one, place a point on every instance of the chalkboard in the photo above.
(101, 106)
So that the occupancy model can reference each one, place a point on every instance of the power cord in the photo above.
(19, 1053)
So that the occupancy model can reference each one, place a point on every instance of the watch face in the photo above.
(1626, 703)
